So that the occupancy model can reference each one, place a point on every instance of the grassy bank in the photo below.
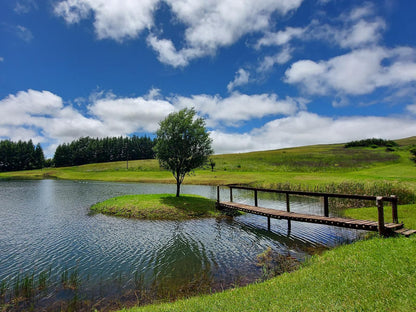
(374, 275)
(308, 166)
(158, 207)
(407, 214)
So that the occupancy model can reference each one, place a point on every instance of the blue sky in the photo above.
(265, 74)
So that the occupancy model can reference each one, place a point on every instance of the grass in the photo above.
(309, 166)
(158, 207)
(373, 275)
(407, 214)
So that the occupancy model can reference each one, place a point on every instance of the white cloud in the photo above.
(113, 19)
(24, 33)
(1, 59)
(411, 108)
(209, 24)
(238, 107)
(280, 58)
(356, 73)
(241, 78)
(306, 129)
(282, 37)
(25, 6)
(127, 115)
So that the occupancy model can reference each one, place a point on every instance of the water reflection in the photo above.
(46, 226)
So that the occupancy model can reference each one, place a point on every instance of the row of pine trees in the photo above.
(93, 150)
(23, 155)
(20, 156)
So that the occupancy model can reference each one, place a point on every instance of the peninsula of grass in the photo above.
(158, 207)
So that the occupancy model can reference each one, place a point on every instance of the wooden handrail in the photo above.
(379, 199)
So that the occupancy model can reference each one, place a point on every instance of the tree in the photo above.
(182, 144)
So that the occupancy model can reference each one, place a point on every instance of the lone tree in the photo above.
(182, 144)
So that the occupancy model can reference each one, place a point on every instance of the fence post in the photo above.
(326, 206)
(380, 210)
(231, 194)
(255, 198)
(287, 202)
(395, 216)
(218, 193)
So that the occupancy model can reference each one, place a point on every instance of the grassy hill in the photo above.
(308, 165)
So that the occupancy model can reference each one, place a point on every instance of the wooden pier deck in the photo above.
(334, 221)
(384, 229)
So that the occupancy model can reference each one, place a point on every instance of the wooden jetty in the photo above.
(383, 228)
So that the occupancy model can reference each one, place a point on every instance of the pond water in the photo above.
(46, 226)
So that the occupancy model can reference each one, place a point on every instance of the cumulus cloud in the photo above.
(307, 128)
(208, 24)
(43, 117)
(282, 37)
(356, 73)
(237, 108)
(280, 58)
(113, 19)
(127, 115)
(241, 78)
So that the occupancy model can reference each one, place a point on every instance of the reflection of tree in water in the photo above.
(182, 265)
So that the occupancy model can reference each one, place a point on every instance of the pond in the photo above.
(47, 228)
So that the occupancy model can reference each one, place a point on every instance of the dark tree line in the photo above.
(93, 150)
(371, 143)
(20, 155)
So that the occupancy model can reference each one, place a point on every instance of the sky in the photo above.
(265, 74)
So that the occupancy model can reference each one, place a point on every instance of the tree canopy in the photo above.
(20, 156)
(93, 150)
(182, 144)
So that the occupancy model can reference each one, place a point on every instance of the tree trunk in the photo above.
(178, 188)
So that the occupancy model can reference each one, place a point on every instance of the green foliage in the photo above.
(89, 150)
(182, 144)
(158, 207)
(273, 263)
(413, 153)
(20, 156)
(373, 275)
(373, 143)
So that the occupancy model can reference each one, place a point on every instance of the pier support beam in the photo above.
(326, 206)
(380, 210)
(395, 216)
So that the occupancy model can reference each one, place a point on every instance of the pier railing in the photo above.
(379, 200)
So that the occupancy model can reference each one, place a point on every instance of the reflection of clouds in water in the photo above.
(60, 234)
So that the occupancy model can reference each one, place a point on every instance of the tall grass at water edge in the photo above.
(379, 188)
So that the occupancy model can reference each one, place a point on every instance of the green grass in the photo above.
(373, 275)
(309, 166)
(158, 207)
(407, 214)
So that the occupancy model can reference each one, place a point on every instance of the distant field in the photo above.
(308, 165)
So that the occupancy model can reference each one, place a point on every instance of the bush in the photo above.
(373, 143)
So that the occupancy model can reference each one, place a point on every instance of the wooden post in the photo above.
(395, 216)
(268, 223)
(231, 194)
(326, 206)
(218, 193)
(380, 209)
(287, 203)
(256, 203)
